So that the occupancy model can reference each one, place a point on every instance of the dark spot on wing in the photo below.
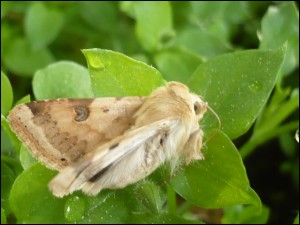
(82, 113)
(113, 146)
(99, 174)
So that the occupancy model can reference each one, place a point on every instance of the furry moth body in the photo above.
(111, 142)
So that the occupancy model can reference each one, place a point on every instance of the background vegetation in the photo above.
(202, 44)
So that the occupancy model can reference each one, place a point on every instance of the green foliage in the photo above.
(202, 44)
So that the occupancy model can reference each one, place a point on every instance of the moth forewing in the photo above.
(111, 142)
(61, 132)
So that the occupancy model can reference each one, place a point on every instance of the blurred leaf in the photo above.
(99, 15)
(153, 32)
(219, 18)
(3, 216)
(6, 94)
(280, 25)
(115, 74)
(241, 214)
(163, 218)
(177, 64)
(22, 60)
(25, 158)
(7, 180)
(62, 80)
(42, 25)
(218, 181)
(237, 86)
(202, 42)
(296, 221)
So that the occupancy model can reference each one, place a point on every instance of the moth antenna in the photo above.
(219, 121)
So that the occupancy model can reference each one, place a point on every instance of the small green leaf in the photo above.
(280, 25)
(114, 74)
(62, 80)
(42, 25)
(22, 60)
(218, 181)
(237, 86)
(153, 32)
(6, 94)
(177, 64)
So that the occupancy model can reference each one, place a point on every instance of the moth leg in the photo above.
(192, 148)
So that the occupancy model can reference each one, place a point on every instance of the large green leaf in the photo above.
(218, 181)
(114, 74)
(62, 80)
(237, 86)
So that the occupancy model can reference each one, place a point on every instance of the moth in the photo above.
(111, 142)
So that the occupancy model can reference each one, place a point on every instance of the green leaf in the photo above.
(30, 199)
(245, 214)
(42, 25)
(99, 15)
(25, 158)
(6, 94)
(163, 218)
(11, 135)
(25, 99)
(280, 25)
(62, 80)
(114, 74)
(22, 60)
(219, 18)
(3, 216)
(148, 194)
(202, 42)
(296, 221)
(7, 179)
(237, 86)
(153, 32)
(32, 202)
(218, 181)
(177, 64)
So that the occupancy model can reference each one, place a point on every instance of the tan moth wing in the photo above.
(60, 132)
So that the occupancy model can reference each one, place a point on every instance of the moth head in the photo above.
(199, 106)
